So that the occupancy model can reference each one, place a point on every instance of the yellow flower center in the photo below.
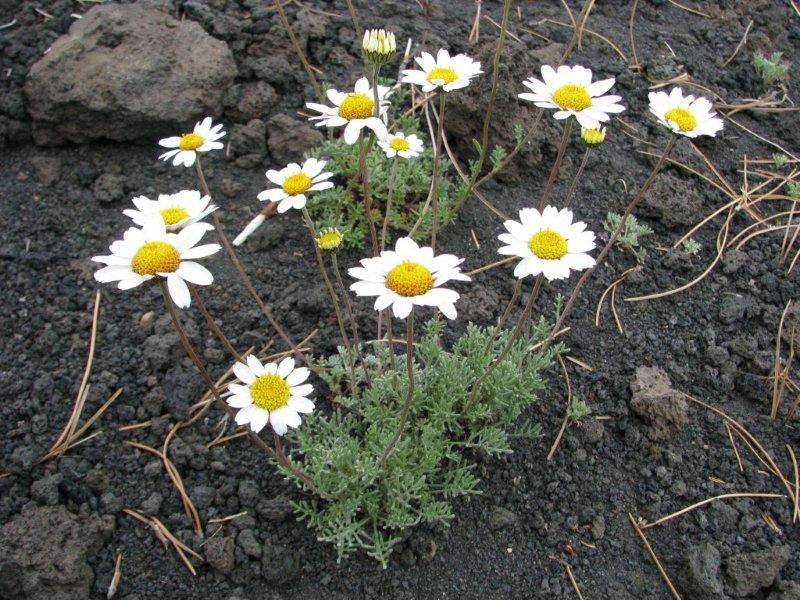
(356, 106)
(572, 96)
(296, 184)
(329, 239)
(409, 278)
(174, 214)
(269, 391)
(155, 257)
(190, 141)
(445, 74)
(683, 117)
(548, 244)
(399, 144)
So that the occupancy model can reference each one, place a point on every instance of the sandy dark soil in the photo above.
(64, 525)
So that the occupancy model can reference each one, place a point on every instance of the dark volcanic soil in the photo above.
(714, 341)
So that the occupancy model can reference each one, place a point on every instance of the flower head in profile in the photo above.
(402, 145)
(593, 137)
(570, 91)
(152, 251)
(548, 243)
(176, 210)
(445, 72)
(273, 393)
(295, 182)
(408, 276)
(329, 239)
(378, 46)
(203, 138)
(354, 110)
(685, 115)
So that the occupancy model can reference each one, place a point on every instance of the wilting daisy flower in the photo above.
(570, 90)
(186, 146)
(295, 181)
(176, 210)
(444, 72)
(355, 110)
(273, 393)
(409, 275)
(399, 144)
(152, 251)
(548, 243)
(686, 115)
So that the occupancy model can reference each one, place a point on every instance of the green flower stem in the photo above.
(212, 323)
(363, 175)
(348, 307)
(520, 326)
(433, 194)
(562, 147)
(209, 381)
(240, 270)
(611, 240)
(410, 394)
(376, 68)
(334, 300)
(384, 229)
(576, 180)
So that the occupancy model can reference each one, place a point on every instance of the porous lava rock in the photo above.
(125, 72)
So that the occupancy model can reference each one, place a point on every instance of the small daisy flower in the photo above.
(444, 72)
(186, 146)
(400, 144)
(295, 181)
(685, 115)
(329, 239)
(176, 210)
(408, 276)
(571, 92)
(548, 243)
(593, 137)
(152, 251)
(355, 110)
(273, 393)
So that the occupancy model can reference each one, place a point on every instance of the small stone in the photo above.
(220, 554)
(248, 492)
(249, 139)
(45, 490)
(109, 187)
(703, 563)
(275, 509)
(290, 138)
(48, 169)
(152, 505)
(202, 496)
(747, 573)
(501, 518)
(661, 406)
(598, 527)
(249, 543)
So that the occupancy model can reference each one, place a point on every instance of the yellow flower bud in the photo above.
(593, 137)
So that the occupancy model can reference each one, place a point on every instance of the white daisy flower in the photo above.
(355, 110)
(409, 275)
(295, 181)
(548, 243)
(273, 393)
(186, 146)
(154, 252)
(444, 72)
(686, 115)
(176, 210)
(570, 90)
(400, 144)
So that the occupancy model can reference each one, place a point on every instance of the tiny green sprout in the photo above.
(793, 189)
(770, 69)
(629, 236)
(519, 133)
(691, 246)
(497, 157)
(780, 160)
(578, 409)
